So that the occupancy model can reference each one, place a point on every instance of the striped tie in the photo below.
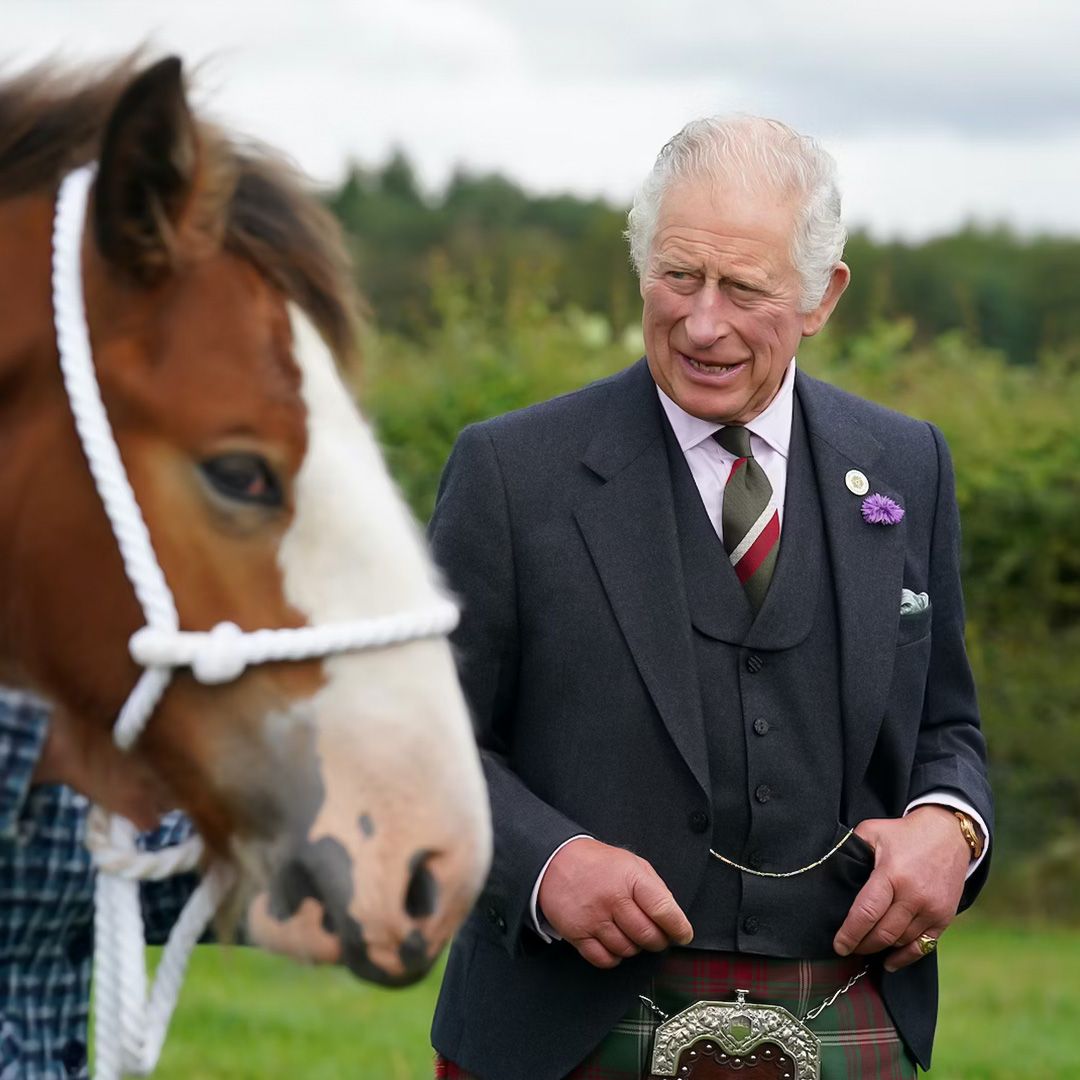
(750, 521)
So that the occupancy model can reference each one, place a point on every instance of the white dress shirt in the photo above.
(710, 464)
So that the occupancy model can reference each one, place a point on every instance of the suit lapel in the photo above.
(629, 527)
(867, 564)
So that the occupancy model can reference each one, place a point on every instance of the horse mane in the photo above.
(52, 120)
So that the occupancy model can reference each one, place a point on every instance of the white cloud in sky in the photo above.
(937, 110)
(987, 66)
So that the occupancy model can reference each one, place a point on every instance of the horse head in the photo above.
(347, 789)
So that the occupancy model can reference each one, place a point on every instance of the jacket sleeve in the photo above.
(472, 538)
(950, 753)
(24, 724)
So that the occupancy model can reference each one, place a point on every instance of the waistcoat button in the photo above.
(761, 725)
(754, 663)
(751, 924)
(763, 793)
(699, 821)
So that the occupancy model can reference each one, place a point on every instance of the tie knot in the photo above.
(735, 440)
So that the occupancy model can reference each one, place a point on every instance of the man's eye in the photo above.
(244, 478)
(679, 275)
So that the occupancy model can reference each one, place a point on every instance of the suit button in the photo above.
(754, 663)
(699, 821)
(496, 919)
(751, 924)
(761, 726)
(763, 793)
(755, 861)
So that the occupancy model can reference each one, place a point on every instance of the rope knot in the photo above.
(220, 655)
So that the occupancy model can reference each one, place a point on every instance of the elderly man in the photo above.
(713, 639)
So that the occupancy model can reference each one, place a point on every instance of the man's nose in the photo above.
(708, 321)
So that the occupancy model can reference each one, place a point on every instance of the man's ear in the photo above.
(817, 318)
(146, 174)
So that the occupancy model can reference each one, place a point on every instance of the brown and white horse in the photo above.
(219, 312)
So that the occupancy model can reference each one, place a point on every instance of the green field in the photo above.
(244, 1016)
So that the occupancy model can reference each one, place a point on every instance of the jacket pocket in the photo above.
(914, 627)
(854, 847)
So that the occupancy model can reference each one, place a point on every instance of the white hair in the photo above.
(749, 151)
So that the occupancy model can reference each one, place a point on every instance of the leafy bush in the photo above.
(478, 360)
(1016, 446)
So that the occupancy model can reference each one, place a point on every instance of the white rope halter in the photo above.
(130, 1028)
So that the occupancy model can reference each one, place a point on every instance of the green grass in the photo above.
(246, 1016)
(1010, 1005)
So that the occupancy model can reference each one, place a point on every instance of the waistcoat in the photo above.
(770, 693)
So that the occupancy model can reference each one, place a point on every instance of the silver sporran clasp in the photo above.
(737, 1031)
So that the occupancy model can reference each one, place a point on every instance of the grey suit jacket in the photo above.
(555, 525)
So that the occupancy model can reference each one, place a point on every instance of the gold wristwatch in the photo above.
(971, 833)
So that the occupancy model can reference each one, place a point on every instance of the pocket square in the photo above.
(911, 603)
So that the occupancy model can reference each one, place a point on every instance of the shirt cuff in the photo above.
(24, 723)
(953, 802)
(539, 923)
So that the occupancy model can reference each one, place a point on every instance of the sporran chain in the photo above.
(787, 873)
(813, 1014)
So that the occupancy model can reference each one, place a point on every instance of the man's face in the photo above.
(721, 318)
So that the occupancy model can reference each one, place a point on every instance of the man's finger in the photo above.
(889, 930)
(655, 899)
(871, 904)
(615, 941)
(596, 953)
(911, 953)
(923, 923)
(638, 927)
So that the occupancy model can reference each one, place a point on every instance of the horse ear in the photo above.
(146, 174)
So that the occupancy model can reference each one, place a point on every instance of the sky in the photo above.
(939, 112)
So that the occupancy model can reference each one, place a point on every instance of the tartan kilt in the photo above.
(858, 1038)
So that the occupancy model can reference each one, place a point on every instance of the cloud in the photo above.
(937, 111)
(977, 69)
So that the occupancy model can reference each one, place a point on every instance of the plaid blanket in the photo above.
(47, 905)
(858, 1039)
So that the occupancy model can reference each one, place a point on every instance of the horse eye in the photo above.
(245, 478)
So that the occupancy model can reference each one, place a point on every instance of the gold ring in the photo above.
(926, 943)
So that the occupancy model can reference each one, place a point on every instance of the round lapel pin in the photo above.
(856, 482)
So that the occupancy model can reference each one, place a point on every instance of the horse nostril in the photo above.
(422, 892)
(413, 954)
(321, 871)
(293, 885)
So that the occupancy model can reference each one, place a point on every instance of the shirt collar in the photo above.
(773, 424)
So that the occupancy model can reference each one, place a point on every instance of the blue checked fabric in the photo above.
(47, 906)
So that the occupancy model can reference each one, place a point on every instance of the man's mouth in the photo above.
(712, 369)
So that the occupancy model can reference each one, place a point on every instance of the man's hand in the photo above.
(609, 904)
(921, 861)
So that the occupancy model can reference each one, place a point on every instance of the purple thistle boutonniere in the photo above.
(881, 510)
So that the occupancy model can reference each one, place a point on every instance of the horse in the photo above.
(346, 788)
